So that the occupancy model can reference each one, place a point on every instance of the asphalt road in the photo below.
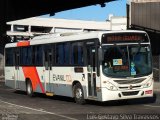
(16, 105)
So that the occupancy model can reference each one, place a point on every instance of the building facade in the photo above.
(28, 28)
(25, 29)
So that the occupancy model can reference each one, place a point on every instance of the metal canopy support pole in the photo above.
(159, 66)
(2, 33)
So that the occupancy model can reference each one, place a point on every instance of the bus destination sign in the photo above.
(124, 38)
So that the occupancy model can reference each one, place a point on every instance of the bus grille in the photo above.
(127, 87)
(130, 93)
(129, 81)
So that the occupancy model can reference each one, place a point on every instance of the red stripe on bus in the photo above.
(32, 74)
(23, 43)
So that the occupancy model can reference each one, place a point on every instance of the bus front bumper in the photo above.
(109, 95)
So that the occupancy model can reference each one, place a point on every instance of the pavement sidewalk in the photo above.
(157, 86)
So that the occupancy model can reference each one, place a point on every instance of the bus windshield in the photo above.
(127, 61)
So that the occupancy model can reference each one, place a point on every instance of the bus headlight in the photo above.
(148, 84)
(110, 86)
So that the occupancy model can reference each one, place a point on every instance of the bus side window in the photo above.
(53, 54)
(9, 57)
(29, 56)
(67, 53)
(25, 56)
(33, 55)
(60, 54)
(77, 54)
(39, 55)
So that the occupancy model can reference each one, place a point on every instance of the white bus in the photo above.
(99, 66)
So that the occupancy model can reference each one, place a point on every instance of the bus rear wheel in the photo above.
(29, 89)
(79, 94)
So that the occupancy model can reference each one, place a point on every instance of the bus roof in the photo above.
(63, 37)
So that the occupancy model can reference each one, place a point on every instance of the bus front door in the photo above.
(17, 72)
(91, 68)
(48, 68)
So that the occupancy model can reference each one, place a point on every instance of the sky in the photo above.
(94, 13)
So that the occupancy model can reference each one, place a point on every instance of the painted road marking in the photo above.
(152, 106)
(39, 110)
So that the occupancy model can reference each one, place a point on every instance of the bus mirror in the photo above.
(100, 54)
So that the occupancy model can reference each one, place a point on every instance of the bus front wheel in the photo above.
(79, 94)
(29, 88)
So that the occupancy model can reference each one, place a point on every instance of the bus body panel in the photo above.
(127, 91)
(10, 77)
(60, 82)
(114, 95)
(59, 79)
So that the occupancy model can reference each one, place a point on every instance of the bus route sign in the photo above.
(124, 38)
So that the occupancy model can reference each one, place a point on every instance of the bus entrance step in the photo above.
(49, 94)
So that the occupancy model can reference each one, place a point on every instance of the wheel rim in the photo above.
(29, 89)
(78, 93)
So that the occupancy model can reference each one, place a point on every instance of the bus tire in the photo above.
(78, 94)
(29, 89)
